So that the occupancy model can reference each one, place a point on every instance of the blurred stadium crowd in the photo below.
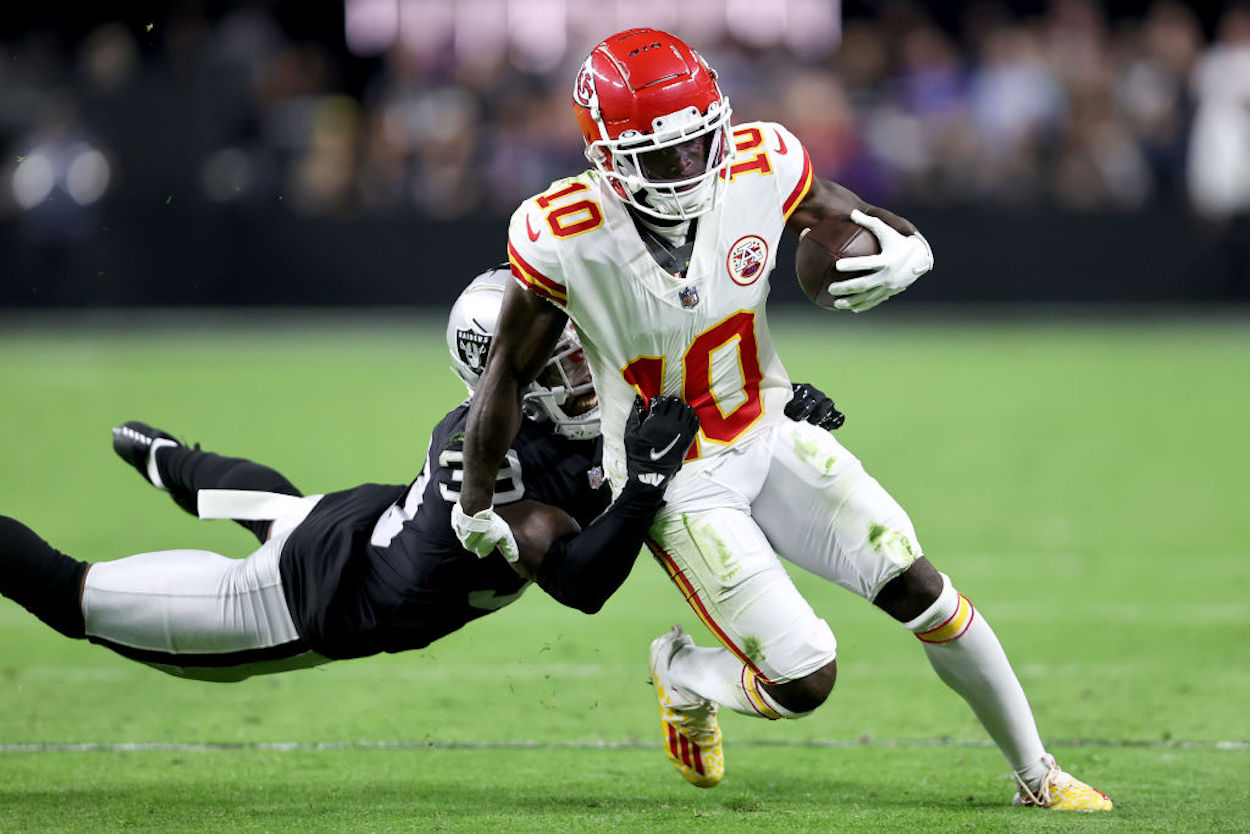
(1066, 105)
(261, 152)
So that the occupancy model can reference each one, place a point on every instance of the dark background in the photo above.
(255, 156)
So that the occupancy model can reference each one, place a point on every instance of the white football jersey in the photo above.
(703, 337)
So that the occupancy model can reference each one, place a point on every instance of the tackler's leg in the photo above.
(167, 464)
(188, 613)
(41, 579)
(197, 614)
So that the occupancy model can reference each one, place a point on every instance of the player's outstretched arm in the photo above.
(581, 569)
(525, 335)
(905, 254)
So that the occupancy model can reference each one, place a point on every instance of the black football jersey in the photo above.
(379, 568)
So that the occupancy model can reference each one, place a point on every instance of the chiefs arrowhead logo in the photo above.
(747, 260)
(529, 230)
(584, 87)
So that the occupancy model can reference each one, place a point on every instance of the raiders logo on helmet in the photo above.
(473, 347)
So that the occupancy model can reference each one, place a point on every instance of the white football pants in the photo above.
(794, 492)
(197, 614)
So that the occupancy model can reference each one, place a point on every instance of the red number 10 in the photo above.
(646, 373)
(574, 218)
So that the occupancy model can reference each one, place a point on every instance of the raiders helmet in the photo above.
(563, 394)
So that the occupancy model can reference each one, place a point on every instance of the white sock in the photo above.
(967, 656)
(717, 675)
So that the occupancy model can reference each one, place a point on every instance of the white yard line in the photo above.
(320, 746)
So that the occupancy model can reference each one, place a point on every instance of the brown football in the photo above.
(823, 245)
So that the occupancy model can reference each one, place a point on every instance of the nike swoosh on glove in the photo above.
(657, 438)
(903, 259)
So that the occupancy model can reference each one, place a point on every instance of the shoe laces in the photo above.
(1042, 796)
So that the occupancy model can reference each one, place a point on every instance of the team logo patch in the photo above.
(472, 347)
(747, 259)
(584, 86)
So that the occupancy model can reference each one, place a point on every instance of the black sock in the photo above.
(41, 579)
(185, 471)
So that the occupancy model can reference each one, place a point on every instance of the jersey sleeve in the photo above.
(532, 256)
(768, 146)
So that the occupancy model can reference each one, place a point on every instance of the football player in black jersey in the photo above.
(375, 568)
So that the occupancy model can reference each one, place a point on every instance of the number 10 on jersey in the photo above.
(646, 373)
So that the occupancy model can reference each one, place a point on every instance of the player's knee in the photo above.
(907, 595)
(802, 695)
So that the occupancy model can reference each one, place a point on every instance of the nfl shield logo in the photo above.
(689, 297)
(594, 476)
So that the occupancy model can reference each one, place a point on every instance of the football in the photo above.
(821, 246)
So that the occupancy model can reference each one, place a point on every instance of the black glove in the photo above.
(811, 405)
(657, 438)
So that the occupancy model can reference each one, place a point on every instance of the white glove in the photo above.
(483, 532)
(902, 260)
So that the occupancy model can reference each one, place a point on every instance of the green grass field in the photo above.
(1084, 481)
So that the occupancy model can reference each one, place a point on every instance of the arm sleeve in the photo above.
(582, 570)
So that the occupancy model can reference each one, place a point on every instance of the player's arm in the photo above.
(525, 335)
(905, 254)
(828, 199)
(582, 568)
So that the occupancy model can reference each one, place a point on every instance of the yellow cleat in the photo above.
(691, 733)
(1061, 791)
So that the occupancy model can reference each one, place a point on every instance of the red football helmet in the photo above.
(655, 122)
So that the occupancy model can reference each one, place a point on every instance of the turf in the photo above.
(1082, 480)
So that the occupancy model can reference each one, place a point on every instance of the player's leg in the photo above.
(167, 464)
(821, 510)
(776, 659)
(968, 657)
(187, 612)
(40, 578)
(197, 614)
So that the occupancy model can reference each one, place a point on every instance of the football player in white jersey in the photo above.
(660, 256)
